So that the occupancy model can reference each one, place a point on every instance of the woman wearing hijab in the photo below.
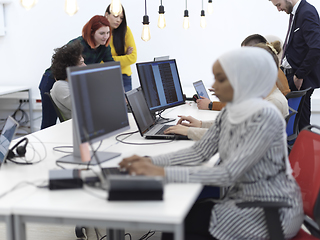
(249, 135)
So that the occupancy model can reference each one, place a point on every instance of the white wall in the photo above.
(26, 49)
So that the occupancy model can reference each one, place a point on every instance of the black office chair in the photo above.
(295, 102)
(58, 111)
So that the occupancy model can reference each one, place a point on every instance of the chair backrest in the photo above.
(59, 113)
(290, 121)
(295, 101)
(305, 162)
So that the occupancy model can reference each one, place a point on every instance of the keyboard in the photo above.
(161, 130)
(113, 171)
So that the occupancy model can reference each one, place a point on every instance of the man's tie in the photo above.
(288, 33)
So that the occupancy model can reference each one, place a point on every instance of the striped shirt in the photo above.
(252, 166)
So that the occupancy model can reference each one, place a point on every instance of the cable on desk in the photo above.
(128, 234)
(105, 236)
(23, 184)
(148, 235)
(93, 152)
(132, 143)
(57, 149)
(86, 189)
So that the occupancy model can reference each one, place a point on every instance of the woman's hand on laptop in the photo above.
(177, 129)
(189, 121)
(137, 165)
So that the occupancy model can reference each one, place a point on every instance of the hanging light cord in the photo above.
(186, 4)
(145, 5)
(202, 4)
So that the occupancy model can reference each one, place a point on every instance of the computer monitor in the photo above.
(160, 84)
(99, 108)
(161, 58)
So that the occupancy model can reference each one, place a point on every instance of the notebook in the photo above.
(147, 125)
(200, 89)
(7, 134)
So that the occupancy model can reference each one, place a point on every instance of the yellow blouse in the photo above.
(125, 60)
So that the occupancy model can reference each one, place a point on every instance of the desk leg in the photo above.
(30, 111)
(19, 228)
(179, 232)
(115, 234)
(10, 227)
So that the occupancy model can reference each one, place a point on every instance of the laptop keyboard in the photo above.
(161, 130)
(113, 171)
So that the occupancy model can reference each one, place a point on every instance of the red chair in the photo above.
(305, 161)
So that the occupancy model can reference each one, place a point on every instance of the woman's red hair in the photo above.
(92, 26)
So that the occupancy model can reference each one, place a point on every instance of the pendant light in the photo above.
(71, 7)
(161, 20)
(210, 7)
(203, 22)
(27, 4)
(186, 22)
(145, 36)
(115, 7)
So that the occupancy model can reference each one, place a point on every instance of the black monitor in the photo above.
(99, 108)
(160, 84)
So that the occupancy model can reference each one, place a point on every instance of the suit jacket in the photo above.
(303, 48)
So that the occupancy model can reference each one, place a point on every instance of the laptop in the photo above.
(200, 89)
(147, 125)
(7, 134)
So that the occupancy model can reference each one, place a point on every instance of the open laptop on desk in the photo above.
(7, 134)
(147, 125)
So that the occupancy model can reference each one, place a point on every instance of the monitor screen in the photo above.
(98, 102)
(160, 84)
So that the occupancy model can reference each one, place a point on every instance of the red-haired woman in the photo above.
(95, 41)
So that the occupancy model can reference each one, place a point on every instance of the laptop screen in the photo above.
(7, 134)
(140, 110)
(160, 84)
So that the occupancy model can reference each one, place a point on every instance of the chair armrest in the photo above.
(312, 226)
(271, 212)
(291, 137)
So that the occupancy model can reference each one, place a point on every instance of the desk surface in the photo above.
(90, 205)
(12, 89)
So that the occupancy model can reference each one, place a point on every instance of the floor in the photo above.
(56, 232)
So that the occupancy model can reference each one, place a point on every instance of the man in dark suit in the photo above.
(301, 50)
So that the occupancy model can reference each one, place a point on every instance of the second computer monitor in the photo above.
(160, 84)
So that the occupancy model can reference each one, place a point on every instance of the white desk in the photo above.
(78, 207)
(4, 90)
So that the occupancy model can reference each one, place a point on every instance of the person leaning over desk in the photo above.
(282, 83)
(67, 56)
(123, 47)
(249, 135)
(95, 41)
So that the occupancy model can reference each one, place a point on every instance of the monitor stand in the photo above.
(161, 120)
(75, 157)
(102, 157)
